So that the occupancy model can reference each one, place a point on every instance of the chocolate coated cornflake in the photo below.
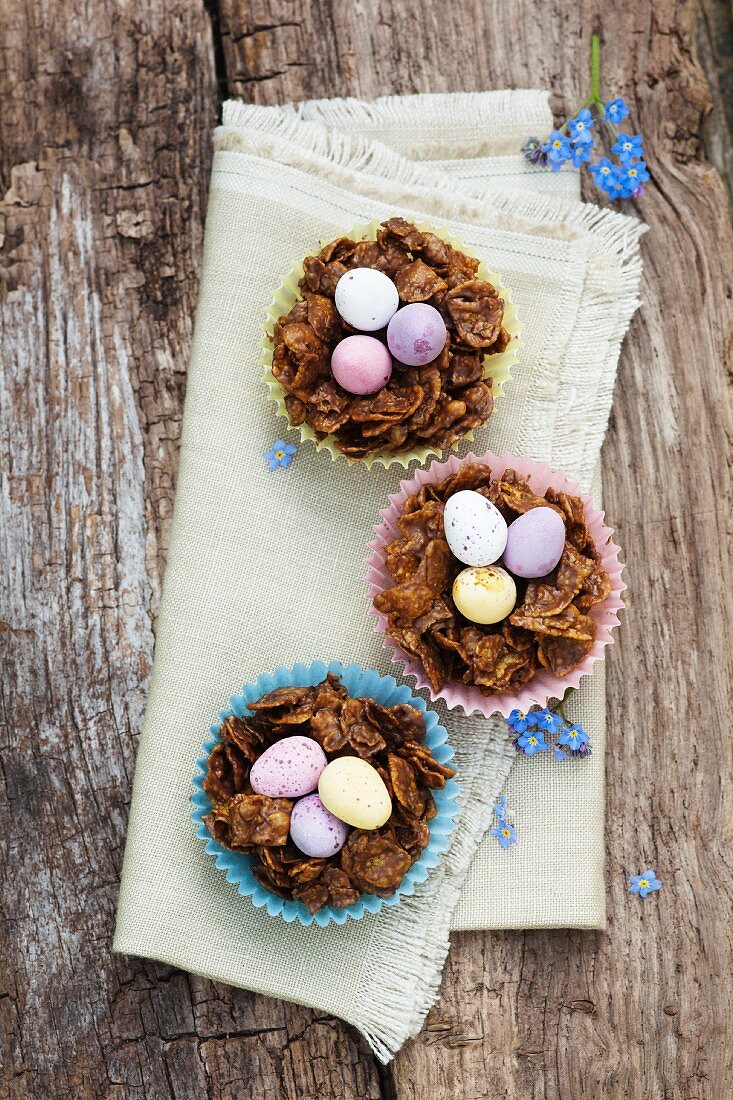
(390, 738)
(374, 861)
(549, 627)
(433, 405)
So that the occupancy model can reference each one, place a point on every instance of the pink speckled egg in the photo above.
(416, 334)
(315, 830)
(475, 529)
(289, 768)
(361, 364)
(535, 542)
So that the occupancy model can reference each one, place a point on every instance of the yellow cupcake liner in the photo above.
(497, 367)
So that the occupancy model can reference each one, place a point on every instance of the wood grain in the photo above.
(104, 158)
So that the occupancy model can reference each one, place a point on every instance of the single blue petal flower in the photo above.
(500, 807)
(615, 111)
(519, 721)
(280, 454)
(506, 834)
(615, 185)
(574, 736)
(628, 147)
(558, 150)
(548, 721)
(581, 153)
(531, 742)
(644, 884)
(558, 753)
(581, 126)
(602, 171)
(636, 174)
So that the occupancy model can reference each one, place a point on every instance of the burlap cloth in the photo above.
(266, 568)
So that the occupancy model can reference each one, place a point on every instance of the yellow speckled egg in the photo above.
(355, 793)
(484, 594)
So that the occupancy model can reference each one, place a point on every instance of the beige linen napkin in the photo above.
(265, 568)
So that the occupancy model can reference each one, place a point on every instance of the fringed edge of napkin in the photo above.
(425, 126)
(404, 1004)
(306, 142)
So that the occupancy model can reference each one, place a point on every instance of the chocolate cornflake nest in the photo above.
(434, 405)
(549, 626)
(371, 861)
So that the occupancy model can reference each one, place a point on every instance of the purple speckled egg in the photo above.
(289, 768)
(361, 364)
(534, 543)
(315, 830)
(416, 334)
(475, 529)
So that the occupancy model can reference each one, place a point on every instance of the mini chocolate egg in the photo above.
(366, 298)
(289, 768)
(354, 791)
(535, 542)
(416, 334)
(315, 830)
(484, 594)
(361, 364)
(475, 529)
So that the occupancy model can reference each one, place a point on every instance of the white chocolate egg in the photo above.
(484, 594)
(354, 792)
(475, 529)
(367, 299)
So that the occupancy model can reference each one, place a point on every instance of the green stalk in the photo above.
(594, 99)
(595, 70)
(561, 705)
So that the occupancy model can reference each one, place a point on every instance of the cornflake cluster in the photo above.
(373, 861)
(435, 404)
(549, 626)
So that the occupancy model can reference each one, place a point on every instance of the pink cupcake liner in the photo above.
(544, 686)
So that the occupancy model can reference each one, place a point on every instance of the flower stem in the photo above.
(561, 705)
(594, 99)
(595, 69)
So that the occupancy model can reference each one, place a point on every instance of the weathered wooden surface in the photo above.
(104, 155)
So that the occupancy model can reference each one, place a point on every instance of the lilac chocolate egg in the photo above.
(534, 543)
(315, 830)
(361, 364)
(416, 334)
(289, 768)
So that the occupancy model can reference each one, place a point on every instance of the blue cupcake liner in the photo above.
(386, 691)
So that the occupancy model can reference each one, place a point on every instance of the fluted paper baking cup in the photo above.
(497, 367)
(358, 682)
(544, 685)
